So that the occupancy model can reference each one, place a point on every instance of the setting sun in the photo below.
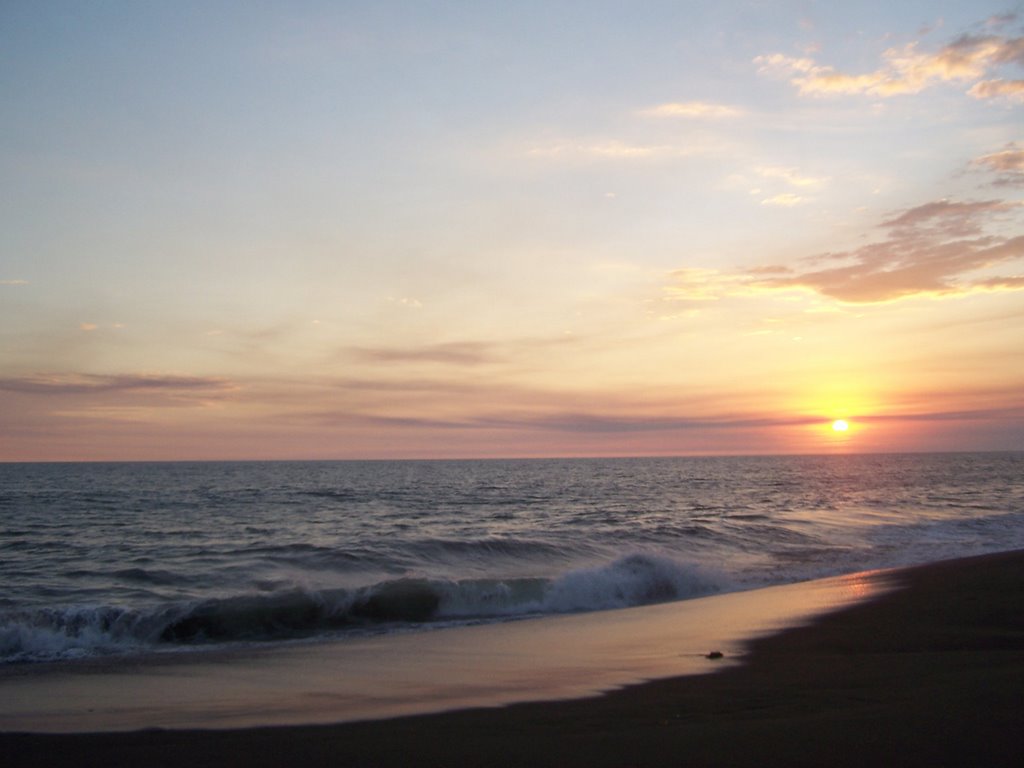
(700, 279)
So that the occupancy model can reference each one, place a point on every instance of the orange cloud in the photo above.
(906, 70)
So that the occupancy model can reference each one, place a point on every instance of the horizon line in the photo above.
(595, 457)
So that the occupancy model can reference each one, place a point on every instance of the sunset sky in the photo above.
(270, 230)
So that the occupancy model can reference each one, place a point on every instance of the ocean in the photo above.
(115, 560)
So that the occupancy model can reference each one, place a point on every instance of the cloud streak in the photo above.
(932, 249)
(610, 149)
(1011, 90)
(597, 422)
(86, 384)
(940, 248)
(376, 415)
(694, 109)
(460, 353)
(1007, 164)
(452, 353)
(907, 70)
(784, 200)
(791, 176)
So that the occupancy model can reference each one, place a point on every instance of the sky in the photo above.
(343, 230)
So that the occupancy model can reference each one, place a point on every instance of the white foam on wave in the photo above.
(69, 633)
(637, 579)
(78, 631)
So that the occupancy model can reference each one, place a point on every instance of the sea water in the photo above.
(99, 559)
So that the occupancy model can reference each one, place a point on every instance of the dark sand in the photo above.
(930, 674)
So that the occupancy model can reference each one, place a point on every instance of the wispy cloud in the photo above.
(589, 149)
(693, 109)
(907, 70)
(463, 353)
(697, 284)
(1007, 164)
(610, 149)
(84, 383)
(404, 385)
(947, 218)
(784, 200)
(939, 248)
(598, 422)
(568, 421)
(975, 414)
(452, 353)
(777, 185)
(1012, 90)
(13, 282)
(791, 176)
(406, 301)
(579, 421)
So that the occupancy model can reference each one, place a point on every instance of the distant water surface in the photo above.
(139, 557)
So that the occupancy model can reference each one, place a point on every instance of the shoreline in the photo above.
(347, 679)
(930, 673)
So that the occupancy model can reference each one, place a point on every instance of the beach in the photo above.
(928, 671)
(527, 385)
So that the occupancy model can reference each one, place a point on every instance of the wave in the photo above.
(63, 633)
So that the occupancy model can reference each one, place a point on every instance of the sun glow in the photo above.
(840, 425)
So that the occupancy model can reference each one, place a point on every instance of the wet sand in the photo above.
(548, 658)
(931, 673)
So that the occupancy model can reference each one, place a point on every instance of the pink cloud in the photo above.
(1012, 90)
(933, 249)
(1007, 164)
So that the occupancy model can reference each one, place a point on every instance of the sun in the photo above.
(840, 425)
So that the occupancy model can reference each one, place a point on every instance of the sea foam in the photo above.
(76, 631)
(133, 558)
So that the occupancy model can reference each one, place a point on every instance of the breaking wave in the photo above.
(43, 634)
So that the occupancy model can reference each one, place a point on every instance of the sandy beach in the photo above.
(930, 673)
